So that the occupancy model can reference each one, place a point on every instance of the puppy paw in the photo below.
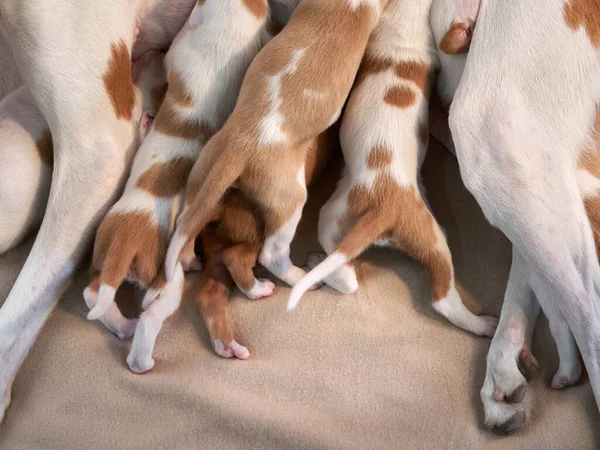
(139, 365)
(263, 287)
(230, 350)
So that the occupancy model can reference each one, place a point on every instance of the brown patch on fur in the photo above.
(453, 43)
(390, 212)
(118, 82)
(129, 245)
(200, 2)
(157, 95)
(379, 157)
(171, 123)
(213, 297)
(273, 28)
(418, 73)
(586, 14)
(177, 91)
(166, 179)
(43, 145)
(400, 97)
(258, 8)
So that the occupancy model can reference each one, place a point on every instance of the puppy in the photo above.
(384, 137)
(231, 248)
(293, 91)
(205, 72)
(26, 151)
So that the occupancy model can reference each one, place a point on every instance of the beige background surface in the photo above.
(377, 369)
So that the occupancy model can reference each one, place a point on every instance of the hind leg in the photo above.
(213, 297)
(240, 260)
(418, 233)
(113, 319)
(164, 305)
(344, 279)
(283, 210)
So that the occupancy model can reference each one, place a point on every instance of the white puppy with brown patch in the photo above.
(205, 73)
(384, 138)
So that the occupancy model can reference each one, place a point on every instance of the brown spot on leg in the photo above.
(170, 123)
(177, 90)
(240, 260)
(213, 297)
(400, 96)
(118, 82)
(44, 148)
(257, 7)
(129, 244)
(166, 179)
(586, 14)
(417, 72)
(415, 234)
(379, 157)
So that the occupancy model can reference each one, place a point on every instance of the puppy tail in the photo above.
(358, 239)
(203, 208)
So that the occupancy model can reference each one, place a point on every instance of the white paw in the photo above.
(567, 376)
(488, 326)
(230, 350)
(263, 287)
(138, 364)
(505, 395)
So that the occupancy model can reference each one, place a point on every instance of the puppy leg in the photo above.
(140, 358)
(240, 260)
(87, 106)
(280, 228)
(505, 396)
(113, 319)
(212, 300)
(344, 279)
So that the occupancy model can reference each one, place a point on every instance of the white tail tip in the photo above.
(294, 299)
(178, 241)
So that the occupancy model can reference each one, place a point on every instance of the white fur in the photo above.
(521, 114)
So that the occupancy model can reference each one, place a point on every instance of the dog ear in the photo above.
(458, 39)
